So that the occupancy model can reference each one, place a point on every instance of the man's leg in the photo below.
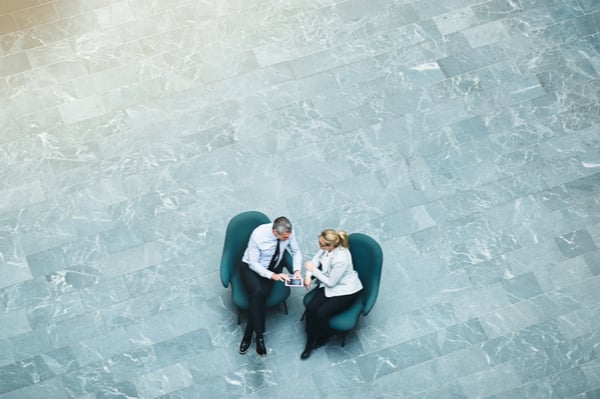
(258, 288)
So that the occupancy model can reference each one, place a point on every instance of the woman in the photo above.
(337, 288)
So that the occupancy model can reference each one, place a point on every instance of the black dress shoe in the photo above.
(307, 349)
(245, 344)
(305, 354)
(260, 347)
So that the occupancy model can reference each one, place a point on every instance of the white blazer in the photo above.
(337, 275)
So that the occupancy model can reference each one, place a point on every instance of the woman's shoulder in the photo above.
(343, 252)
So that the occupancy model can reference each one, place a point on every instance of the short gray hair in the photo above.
(282, 225)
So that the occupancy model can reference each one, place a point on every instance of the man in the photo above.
(261, 269)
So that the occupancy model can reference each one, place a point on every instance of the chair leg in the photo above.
(285, 307)
(343, 339)
(239, 316)
(303, 314)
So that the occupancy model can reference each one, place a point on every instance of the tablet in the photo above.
(294, 282)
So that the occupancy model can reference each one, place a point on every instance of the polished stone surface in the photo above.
(463, 135)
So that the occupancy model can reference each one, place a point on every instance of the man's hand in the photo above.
(280, 277)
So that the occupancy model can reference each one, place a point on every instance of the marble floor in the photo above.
(463, 135)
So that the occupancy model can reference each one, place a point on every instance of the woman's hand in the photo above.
(307, 282)
(309, 266)
(297, 274)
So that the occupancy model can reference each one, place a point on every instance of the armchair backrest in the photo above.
(367, 258)
(238, 233)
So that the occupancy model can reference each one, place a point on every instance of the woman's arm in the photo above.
(309, 267)
(338, 267)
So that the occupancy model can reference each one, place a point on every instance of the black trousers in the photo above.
(318, 312)
(258, 289)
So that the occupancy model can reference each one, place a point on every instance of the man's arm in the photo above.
(253, 256)
(294, 250)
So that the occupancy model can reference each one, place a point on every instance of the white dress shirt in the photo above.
(261, 248)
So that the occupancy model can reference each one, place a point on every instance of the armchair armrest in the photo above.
(226, 267)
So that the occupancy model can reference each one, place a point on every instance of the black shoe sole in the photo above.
(259, 353)
(247, 349)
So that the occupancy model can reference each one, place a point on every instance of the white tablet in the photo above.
(294, 282)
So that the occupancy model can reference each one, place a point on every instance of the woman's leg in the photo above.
(310, 316)
(328, 308)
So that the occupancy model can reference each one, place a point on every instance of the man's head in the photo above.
(282, 228)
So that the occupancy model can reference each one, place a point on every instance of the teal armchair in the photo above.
(238, 233)
(367, 258)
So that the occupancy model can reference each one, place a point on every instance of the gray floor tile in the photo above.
(460, 134)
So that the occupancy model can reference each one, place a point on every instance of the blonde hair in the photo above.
(335, 238)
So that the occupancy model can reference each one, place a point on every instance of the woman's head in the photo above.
(330, 238)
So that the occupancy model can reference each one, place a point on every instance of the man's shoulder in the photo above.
(264, 226)
(262, 229)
